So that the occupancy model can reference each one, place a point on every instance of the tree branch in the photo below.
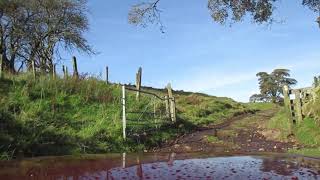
(146, 13)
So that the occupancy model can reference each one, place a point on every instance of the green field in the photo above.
(67, 116)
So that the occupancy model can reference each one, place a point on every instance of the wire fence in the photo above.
(145, 113)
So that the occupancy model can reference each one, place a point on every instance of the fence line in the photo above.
(145, 92)
(107, 74)
(169, 112)
(168, 100)
(75, 67)
(294, 106)
(138, 82)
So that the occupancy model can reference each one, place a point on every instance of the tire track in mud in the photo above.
(238, 134)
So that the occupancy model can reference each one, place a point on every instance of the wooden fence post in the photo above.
(173, 102)
(1, 66)
(154, 113)
(34, 69)
(287, 105)
(298, 106)
(107, 74)
(54, 74)
(66, 72)
(138, 82)
(123, 160)
(172, 106)
(286, 96)
(166, 99)
(124, 123)
(75, 68)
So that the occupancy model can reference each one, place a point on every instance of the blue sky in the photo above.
(197, 54)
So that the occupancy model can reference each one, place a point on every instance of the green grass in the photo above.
(306, 133)
(56, 117)
(260, 106)
(281, 122)
(59, 117)
(204, 110)
(212, 139)
(312, 152)
(68, 116)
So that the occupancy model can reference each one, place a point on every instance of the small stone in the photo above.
(261, 149)
(176, 145)
(188, 148)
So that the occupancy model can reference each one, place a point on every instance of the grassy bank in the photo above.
(55, 117)
(67, 116)
(203, 110)
(306, 133)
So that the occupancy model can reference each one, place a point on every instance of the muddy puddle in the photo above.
(164, 166)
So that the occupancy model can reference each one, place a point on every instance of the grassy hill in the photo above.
(67, 116)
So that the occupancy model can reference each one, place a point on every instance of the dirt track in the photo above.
(243, 133)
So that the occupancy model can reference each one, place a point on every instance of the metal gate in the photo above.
(146, 111)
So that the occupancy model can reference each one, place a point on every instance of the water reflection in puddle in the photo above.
(163, 166)
(245, 167)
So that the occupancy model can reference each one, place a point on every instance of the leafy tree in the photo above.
(37, 30)
(221, 11)
(271, 84)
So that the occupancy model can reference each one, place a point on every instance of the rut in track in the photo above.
(242, 133)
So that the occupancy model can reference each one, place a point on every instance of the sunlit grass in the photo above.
(308, 132)
(312, 152)
(261, 106)
(69, 116)
(281, 122)
(204, 110)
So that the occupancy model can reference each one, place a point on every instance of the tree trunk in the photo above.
(11, 69)
(43, 64)
(51, 70)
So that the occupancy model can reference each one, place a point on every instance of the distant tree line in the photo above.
(39, 30)
(270, 85)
